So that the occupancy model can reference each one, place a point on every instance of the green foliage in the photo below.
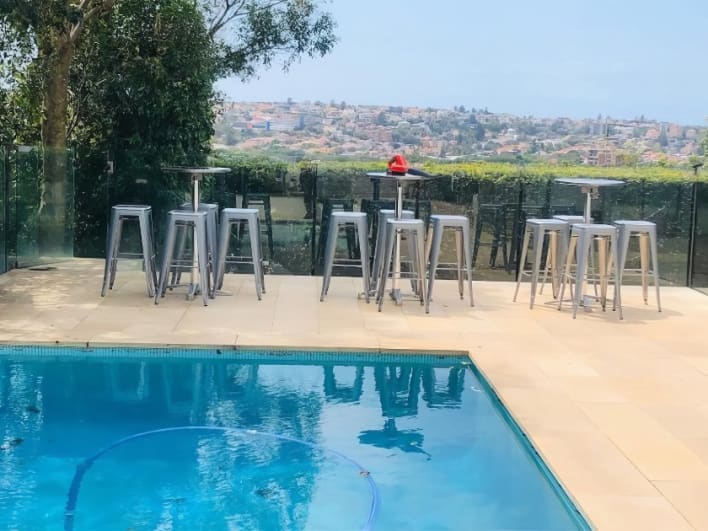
(252, 33)
(147, 103)
(255, 173)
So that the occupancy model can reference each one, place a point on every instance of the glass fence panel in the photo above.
(295, 201)
(666, 204)
(699, 277)
(4, 211)
(38, 232)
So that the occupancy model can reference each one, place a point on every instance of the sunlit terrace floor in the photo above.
(619, 410)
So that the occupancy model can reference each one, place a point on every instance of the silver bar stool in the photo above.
(538, 229)
(646, 232)
(461, 226)
(337, 220)
(212, 210)
(182, 219)
(384, 215)
(235, 216)
(570, 221)
(414, 229)
(580, 247)
(143, 215)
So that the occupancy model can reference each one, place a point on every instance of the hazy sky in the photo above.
(621, 58)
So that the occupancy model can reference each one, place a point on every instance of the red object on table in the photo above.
(398, 165)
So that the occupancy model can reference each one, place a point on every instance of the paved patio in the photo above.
(618, 409)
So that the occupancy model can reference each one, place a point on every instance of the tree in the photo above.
(245, 34)
(149, 102)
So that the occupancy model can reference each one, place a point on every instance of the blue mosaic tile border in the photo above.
(265, 355)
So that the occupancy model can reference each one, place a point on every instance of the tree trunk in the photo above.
(54, 208)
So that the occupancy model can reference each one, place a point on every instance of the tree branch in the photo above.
(102, 7)
(237, 11)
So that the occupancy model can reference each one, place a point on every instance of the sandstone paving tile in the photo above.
(608, 473)
(689, 498)
(657, 453)
(624, 513)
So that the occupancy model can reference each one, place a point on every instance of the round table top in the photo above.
(196, 171)
(397, 177)
(584, 181)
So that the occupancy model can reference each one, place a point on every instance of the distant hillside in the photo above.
(322, 130)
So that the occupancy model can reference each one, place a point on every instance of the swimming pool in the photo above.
(111, 438)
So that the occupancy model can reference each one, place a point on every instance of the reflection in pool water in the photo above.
(441, 452)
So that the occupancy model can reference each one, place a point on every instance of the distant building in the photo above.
(600, 157)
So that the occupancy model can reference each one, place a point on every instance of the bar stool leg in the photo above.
(254, 232)
(420, 268)
(583, 251)
(602, 245)
(115, 252)
(222, 246)
(537, 253)
(548, 264)
(644, 264)
(364, 255)
(145, 241)
(565, 278)
(153, 256)
(166, 259)
(110, 253)
(618, 285)
(434, 256)
(330, 248)
(522, 261)
(386, 264)
(203, 260)
(655, 263)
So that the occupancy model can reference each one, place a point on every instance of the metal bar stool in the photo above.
(383, 216)
(235, 216)
(212, 210)
(414, 230)
(580, 246)
(345, 219)
(646, 232)
(143, 215)
(570, 219)
(538, 229)
(461, 225)
(185, 220)
(335, 205)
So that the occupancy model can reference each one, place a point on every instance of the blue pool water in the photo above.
(206, 439)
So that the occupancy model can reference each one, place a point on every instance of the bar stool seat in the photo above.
(229, 217)
(120, 214)
(461, 226)
(345, 219)
(646, 232)
(570, 219)
(580, 247)
(183, 219)
(537, 230)
(413, 229)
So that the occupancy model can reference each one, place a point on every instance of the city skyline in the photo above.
(546, 59)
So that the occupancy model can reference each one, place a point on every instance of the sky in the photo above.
(543, 58)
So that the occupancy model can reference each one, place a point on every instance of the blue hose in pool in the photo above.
(83, 467)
